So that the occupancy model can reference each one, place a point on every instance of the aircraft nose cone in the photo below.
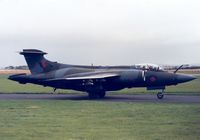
(181, 78)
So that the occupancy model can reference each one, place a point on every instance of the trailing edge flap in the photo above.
(87, 77)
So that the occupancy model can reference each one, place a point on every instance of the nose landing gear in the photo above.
(160, 95)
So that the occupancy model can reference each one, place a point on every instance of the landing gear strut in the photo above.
(54, 90)
(160, 95)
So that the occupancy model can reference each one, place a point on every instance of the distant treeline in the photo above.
(176, 67)
(16, 68)
(193, 67)
(24, 67)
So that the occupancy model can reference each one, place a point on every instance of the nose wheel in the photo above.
(160, 95)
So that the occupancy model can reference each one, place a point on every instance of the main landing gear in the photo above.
(96, 94)
(160, 95)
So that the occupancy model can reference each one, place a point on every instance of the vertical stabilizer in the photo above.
(36, 61)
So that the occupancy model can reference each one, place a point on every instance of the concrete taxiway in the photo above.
(109, 97)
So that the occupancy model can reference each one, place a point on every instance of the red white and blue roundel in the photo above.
(153, 79)
(43, 64)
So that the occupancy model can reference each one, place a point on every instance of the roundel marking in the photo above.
(43, 63)
(153, 79)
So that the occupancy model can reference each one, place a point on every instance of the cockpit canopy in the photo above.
(151, 67)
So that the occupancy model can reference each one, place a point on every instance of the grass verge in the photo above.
(93, 120)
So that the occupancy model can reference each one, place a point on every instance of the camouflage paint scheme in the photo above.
(95, 80)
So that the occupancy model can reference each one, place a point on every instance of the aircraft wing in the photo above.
(94, 76)
(86, 77)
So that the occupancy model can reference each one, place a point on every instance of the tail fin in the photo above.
(36, 61)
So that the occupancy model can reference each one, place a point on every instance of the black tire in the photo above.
(97, 95)
(102, 94)
(160, 95)
(92, 95)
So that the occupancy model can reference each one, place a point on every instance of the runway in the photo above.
(108, 98)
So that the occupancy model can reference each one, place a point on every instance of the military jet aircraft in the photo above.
(96, 80)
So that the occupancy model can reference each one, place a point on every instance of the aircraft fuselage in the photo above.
(95, 80)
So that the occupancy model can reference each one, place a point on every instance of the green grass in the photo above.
(93, 120)
(96, 120)
(7, 86)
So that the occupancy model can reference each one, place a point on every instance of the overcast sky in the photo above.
(102, 32)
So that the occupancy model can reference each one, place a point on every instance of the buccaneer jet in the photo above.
(96, 80)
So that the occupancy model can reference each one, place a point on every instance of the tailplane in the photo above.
(36, 61)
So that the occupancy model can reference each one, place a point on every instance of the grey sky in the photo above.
(103, 32)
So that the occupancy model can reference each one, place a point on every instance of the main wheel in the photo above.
(160, 95)
(96, 95)
(102, 94)
(92, 95)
